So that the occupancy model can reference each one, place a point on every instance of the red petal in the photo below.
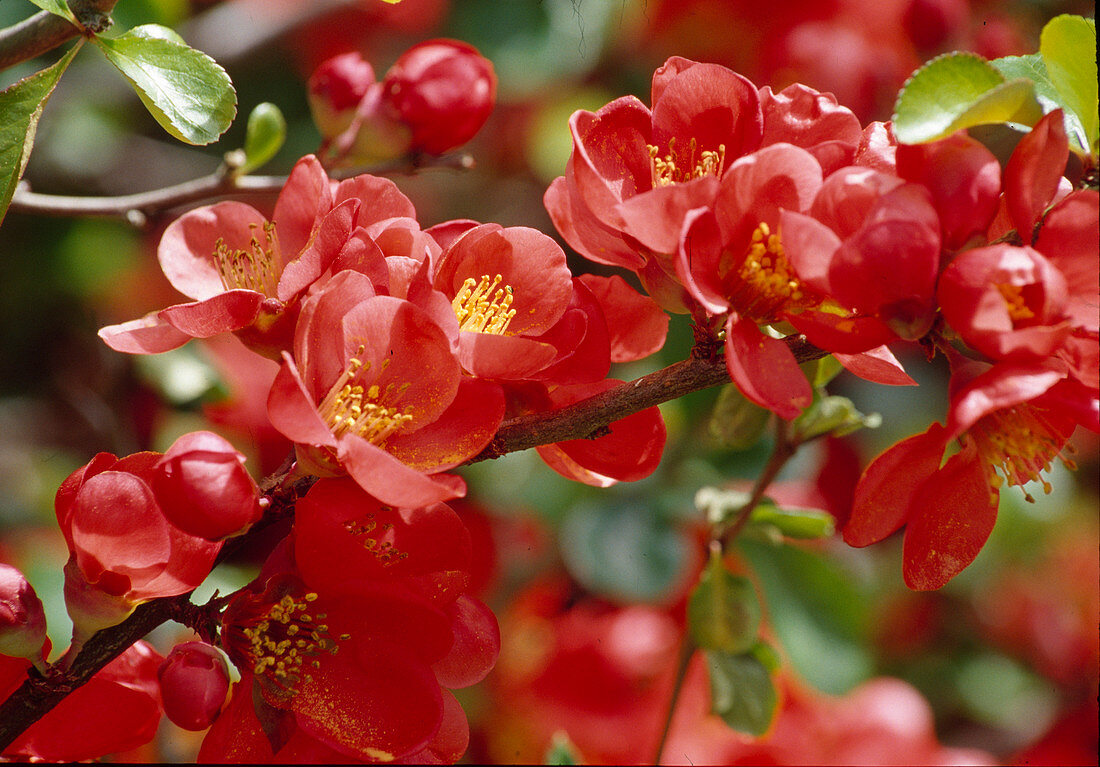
(1033, 171)
(381, 199)
(476, 645)
(878, 365)
(953, 515)
(391, 481)
(452, 740)
(149, 335)
(886, 491)
(326, 243)
(306, 197)
(583, 231)
(654, 218)
(765, 370)
(293, 412)
(230, 310)
(637, 325)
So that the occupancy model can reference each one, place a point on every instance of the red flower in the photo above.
(362, 614)
(123, 549)
(336, 87)
(374, 390)
(443, 90)
(1011, 421)
(117, 710)
(243, 271)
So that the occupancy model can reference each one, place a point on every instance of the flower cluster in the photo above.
(765, 214)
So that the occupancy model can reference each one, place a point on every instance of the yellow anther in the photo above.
(665, 171)
(482, 307)
(256, 268)
(1013, 296)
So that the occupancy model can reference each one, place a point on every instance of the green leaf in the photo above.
(815, 612)
(1033, 68)
(264, 137)
(795, 522)
(184, 89)
(57, 8)
(831, 414)
(826, 370)
(736, 422)
(741, 691)
(21, 104)
(562, 750)
(958, 90)
(723, 612)
(1068, 48)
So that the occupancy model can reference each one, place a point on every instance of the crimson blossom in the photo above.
(351, 633)
(373, 390)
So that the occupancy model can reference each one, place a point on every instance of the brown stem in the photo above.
(138, 208)
(687, 649)
(39, 694)
(44, 31)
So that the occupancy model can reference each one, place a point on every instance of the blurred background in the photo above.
(588, 585)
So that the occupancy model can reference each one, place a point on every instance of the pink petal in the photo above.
(231, 310)
(391, 481)
(765, 370)
(306, 197)
(878, 365)
(293, 412)
(186, 250)
(148, 335)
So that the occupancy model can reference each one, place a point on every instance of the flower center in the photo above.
(765, 283)
(252, 269)
(364, 530)
(1013, 296)
(482, 307)
(1020, 442)
(665, 171)
(355, 408)
(279, 640)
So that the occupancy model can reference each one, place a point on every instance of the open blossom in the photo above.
(243, 271)
(363, 613)
(1011, 422)
(373, 390)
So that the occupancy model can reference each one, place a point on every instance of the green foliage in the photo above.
(736, 422)
(184, 89)
(264, 136)
(723, 612)
(815, 612)
(1068, 48)
(741, 691)
(793, 522)
(56, 7)
(831, 414)
(958, 90)
(22, 105)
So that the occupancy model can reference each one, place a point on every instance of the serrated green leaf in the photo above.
(264, 136)
(815, 612)
(1033, 68)
(1068, 47)
(795, 522)
(741, 691)
(21, 105)
(562, 750)
(958, 90)
(57, 8)
(736, 422)
(723, 612)
(184, 89)
(831, 414)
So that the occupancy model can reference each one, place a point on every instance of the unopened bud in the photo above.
(443, 91)
(194, 685)
(335, 89)
(22, 620)
(203, 488)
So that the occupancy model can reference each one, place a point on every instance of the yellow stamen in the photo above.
(665, 171)
(253, 269)
(765, 281)
(482, 307)
(1013, 296)
(349, 407)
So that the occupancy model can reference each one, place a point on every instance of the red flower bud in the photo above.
(22, 621)
(194, 684)
(444, 91)
(203, 488)
(335, 89)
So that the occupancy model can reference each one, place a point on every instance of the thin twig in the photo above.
(142, 206)
(782, 451)
(44, 31)
(687, 650)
